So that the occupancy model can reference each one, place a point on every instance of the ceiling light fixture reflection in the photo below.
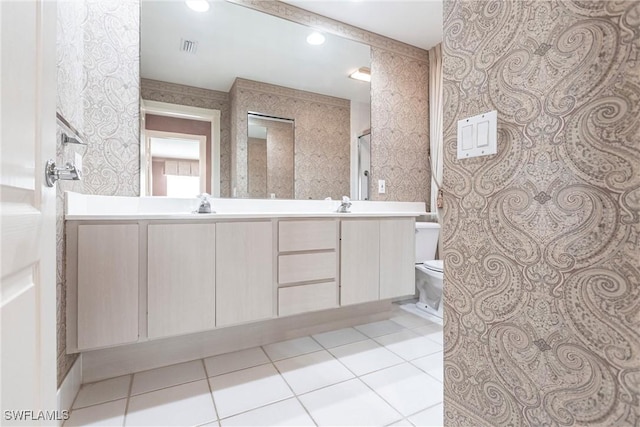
(362, 74)
(198, 5)
(315, 39)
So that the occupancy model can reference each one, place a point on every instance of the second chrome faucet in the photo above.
(345, 205)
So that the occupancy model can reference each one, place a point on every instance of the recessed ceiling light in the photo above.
(198, 5)
(315, 39)
(362, 74)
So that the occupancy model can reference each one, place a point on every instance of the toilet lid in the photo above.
(435, 265)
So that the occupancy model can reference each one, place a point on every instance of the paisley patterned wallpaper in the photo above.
(542, 240)
(257, 168)
(322, 134)
(97, 51)
(111, 97)
(171, 93)
(400, 126)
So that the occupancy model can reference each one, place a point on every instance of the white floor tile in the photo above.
(406, 388)
(248, 389)
(286, 413)
(432, 417)
(182, 405)
(103, 391)
(167, 376)
(312, 371)
(229, 362)
(402, 423)
(291, 348)
(365, 356)
(432, 331)
(348, 404)
(409, 345)
(380, 328)
(410, 320)
(340, 337)
(106, 414)
(411, 308)
(432, 364)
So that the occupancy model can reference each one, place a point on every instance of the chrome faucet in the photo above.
(205, 204)
(345, 205)
(67, 173)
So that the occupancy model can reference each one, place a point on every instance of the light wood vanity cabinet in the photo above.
(307, 265)
(181, 277)
(130, 282)
(377, 259)
(107, 291)
(244, 272)
(397, 257)
(359, 261)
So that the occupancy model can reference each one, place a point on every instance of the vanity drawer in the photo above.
(307, 235)
(305, 267)
(305, 298)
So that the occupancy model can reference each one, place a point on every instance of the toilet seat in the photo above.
(436, 265)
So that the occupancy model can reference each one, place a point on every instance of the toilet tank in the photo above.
(426, 240)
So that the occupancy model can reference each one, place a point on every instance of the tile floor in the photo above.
(382, 373)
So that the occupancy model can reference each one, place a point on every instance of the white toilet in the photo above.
(429, 271)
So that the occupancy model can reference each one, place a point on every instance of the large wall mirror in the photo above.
(277, 84)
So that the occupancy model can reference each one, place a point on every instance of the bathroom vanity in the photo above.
(139, 271)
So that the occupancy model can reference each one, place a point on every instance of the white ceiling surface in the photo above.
(174, 148)
(235, 41)
(415, 22)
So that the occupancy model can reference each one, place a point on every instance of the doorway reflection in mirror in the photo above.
(270, 157)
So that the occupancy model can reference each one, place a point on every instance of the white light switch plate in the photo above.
(478, 135)
(382, 188)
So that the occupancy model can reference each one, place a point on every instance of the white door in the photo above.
(27, 211)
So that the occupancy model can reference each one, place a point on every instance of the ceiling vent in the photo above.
(189, 46)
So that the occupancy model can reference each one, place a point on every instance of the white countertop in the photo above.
(238, 215)
(80, 207)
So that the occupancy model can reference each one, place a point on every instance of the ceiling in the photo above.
(235, 41)
(415, 22)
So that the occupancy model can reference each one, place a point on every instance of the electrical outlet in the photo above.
(382, 188)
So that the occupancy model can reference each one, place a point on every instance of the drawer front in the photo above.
(306, 235)
(305, 298)
(304, 267)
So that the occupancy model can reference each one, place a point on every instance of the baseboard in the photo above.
(69, 388)
(112, 362)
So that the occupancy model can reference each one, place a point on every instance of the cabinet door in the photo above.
(107, 285)
(359, 261)
(181, 278)
(244, 272)
(397, 258)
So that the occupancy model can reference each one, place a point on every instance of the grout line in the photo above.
(294, 393)
(213, 400)
(424, 409)
(383, 399)
(96, 404)
(352, 342)
(126, 405)
(169, 386)
(322, 348)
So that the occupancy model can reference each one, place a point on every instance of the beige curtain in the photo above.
(436, 106)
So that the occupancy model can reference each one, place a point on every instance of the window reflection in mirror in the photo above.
(270, 153)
